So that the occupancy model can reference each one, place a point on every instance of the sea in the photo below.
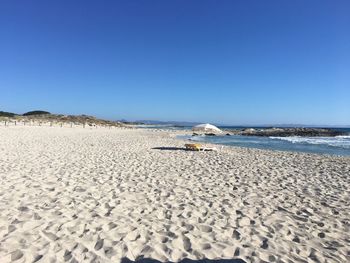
(339, 145)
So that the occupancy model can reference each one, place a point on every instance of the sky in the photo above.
(232, 62)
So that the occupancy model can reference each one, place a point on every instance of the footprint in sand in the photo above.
(265, 244)
(322, 235)
(23, 208)
(37, 258)
(205, 228)
(15, 255)
(236, 235)
(205, 246)
(99, 244)
(11, 228)
(67, 255)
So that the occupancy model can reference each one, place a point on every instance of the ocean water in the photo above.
(339, 145)
(320, 145)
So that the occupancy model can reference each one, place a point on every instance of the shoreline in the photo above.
(311, 145)
(107, 194)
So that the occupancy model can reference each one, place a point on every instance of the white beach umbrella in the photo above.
(206, 128)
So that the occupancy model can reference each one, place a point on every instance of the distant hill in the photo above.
(7, 114)
(36, 112)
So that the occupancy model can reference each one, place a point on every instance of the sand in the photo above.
(101, 195)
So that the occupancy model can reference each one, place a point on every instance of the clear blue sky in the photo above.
(233, 62)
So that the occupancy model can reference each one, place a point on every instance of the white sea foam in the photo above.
(331, 145)
(343, 136)
(197, 138)
(338, 141)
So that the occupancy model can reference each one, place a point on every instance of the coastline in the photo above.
(106, 194)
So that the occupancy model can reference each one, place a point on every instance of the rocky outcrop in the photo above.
(285, 132)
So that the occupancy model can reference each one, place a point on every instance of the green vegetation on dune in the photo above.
(45, 116)
(7, 114)
(36, 112)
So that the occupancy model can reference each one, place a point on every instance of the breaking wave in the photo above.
(339, 145)
(338, 141)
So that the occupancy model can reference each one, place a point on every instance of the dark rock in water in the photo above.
(210, 134)
(227, 134)
(195, 134)
(285, 132)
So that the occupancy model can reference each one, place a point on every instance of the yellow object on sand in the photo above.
(198, 147)
(193, 146)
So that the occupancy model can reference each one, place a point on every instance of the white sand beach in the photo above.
(100, 195)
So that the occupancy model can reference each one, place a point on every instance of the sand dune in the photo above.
(100, 195)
